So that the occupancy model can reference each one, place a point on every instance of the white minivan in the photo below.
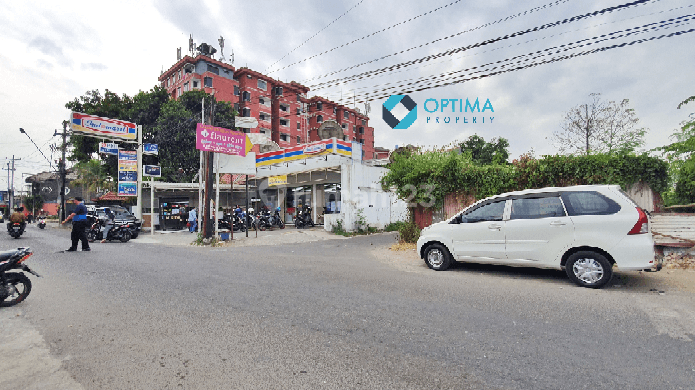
(584, 229)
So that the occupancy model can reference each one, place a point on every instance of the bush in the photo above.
(394, 226)
(409, 232)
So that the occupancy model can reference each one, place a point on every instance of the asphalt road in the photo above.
(333, 314)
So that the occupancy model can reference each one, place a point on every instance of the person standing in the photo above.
(192, 220)
(79, 226)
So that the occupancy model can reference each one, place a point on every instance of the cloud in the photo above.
(93, 66)
(49, 48)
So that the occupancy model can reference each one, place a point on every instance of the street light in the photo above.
(21, 130)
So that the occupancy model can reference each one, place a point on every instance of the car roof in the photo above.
(589, 187)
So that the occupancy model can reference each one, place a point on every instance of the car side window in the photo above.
(487, 212)
(589, 203)
(534, 208)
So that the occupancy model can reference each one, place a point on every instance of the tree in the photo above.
(92, 174)
(681, 155)
(485, 153)
(599, 127)
(33, 202)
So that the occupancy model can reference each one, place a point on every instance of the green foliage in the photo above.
(426, 178)
(33, 203)
(409, 232)
(93, 175)
(394, 226)
(681, 156)
(485, 153)
(361, 221)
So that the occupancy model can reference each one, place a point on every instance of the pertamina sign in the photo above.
(96, 126)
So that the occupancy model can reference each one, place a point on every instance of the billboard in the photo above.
(127, 176)
(96, 126)
(220, 140)
(127, 160)
(150, 149)
(128, 188)
(153, 171)
(108, 148)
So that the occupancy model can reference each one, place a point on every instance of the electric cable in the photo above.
(312, 37)
(484, 43)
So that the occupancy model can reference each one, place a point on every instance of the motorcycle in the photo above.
(10, 291)
(276, 220)
(42, 223)
(119, 231)
(263, 221)
(15, 229)
(303, 218)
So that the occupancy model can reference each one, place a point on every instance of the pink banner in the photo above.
(220, 140)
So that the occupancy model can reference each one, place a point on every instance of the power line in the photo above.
(483, 43)
(312, 37)
(461, 79)
(360, 89)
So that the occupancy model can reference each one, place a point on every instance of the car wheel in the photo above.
(589, 269)
(437, 257)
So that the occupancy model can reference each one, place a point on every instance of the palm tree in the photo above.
(92, 175)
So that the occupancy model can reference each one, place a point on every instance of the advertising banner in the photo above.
(150, 149)
(153, 171)
(300, 152)
(128, 188)
(220, 140)
(95, 126)
(127, 176)
(277, 180)
(108, 148)
(237, 164)
(127, 160)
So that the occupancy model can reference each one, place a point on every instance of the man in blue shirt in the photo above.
(79, 226)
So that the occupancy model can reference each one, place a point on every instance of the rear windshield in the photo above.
(589, 203)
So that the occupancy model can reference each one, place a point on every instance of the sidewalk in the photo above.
(289, 235)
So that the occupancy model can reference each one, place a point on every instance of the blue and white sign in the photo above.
(108, 148)
(150, 149)
(153, 171)
(127, 176)
(128, 189)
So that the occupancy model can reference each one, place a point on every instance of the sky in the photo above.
(53, 52)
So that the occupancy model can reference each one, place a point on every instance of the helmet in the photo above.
(278, 208)
(250, 209)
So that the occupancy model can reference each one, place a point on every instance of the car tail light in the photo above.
(642, 225)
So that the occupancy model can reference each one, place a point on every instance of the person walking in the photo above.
(192, 220)
(79, 226)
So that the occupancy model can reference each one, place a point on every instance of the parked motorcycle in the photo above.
(276, 219)
(14, 286)
(263, 221)
(15, 229)
(42, 222)
(303, 218)
(119, 231)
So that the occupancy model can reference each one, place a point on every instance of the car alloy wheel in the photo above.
(588, 271)
(437, 257)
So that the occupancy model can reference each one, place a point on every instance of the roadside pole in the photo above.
(138, 204)
(151, 206)
(247, 201)
(200, 176)
(217, 194)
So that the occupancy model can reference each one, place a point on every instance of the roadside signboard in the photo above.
(128, 188)
(127, 160)
(96, 126)
(108, 148)
(127, 176)
(220, 140)
(150, 149)
(153, 171)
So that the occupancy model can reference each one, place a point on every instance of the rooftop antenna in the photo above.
(221, 42)
(191, 46)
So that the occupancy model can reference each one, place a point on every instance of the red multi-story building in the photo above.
(282, 109)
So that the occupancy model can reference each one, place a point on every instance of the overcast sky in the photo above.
(53, 52)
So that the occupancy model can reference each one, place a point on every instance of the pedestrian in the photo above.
(79, 226)
(192, 220)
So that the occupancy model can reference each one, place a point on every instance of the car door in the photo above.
(538, 230)
(479, 233)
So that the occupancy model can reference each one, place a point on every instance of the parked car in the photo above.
(121, 214)
(585, 230)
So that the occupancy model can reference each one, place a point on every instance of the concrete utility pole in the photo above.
(10, 183)
(62, 171)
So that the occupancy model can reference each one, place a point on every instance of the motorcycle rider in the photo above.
(17, 217)
(108, 223)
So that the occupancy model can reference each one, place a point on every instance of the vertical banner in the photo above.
(127, 173)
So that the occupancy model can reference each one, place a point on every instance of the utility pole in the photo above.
(10, 183)
(61, 166)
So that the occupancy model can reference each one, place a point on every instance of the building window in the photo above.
(319, 106)
(195, 84)
(344, 126)
(284, 108)
(346, 138)
(178, 91)
(299, 127)
(364, 122)
(299, 140)
(284, 137)
(265, 131)
(236, 90)
(208, 82)
(261, 100)
(284, 122)
(278, 91)
(246, 130)
(213, 69)
(264, 116)
(335, 110)
(246, 96)
(246, 112)
(299, 111)
(262, 85)
(362, 141)
(319, 119)
(186, 87)
(236, 107)
(299, 98)
(361, 130)
(346, 114)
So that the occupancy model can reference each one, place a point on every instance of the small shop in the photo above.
(173, 213)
